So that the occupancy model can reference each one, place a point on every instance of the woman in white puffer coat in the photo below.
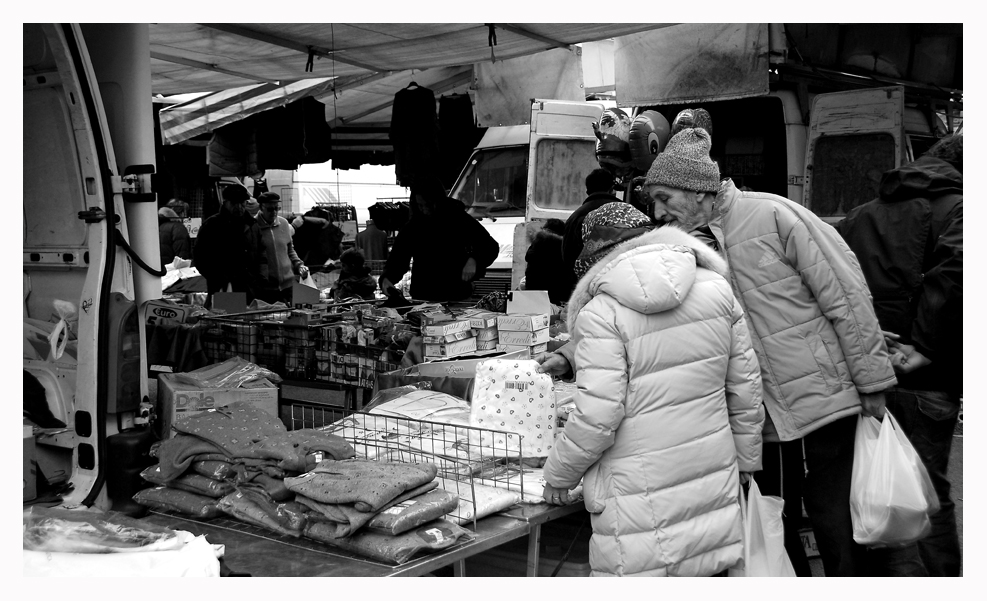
(668, 409)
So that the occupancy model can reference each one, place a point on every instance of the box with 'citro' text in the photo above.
(178, 399)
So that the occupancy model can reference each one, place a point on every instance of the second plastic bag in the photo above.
(764, 537)
(891, 495)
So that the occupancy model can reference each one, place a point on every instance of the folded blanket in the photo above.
(217, 470)
(396, 550)
(299, 450)
(170, 499)
(414, 512)
(290, 515)
(175, 455)
(234, 428)
(368, 485)
(246, 510)
(194, 483)
(343, 519)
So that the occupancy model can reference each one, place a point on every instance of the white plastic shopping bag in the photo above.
(891, 494)
(764, 537)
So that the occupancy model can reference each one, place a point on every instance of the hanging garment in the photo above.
(414, 134)
(458, 135)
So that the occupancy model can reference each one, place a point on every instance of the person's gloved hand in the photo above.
(302, 272)
(553, 364)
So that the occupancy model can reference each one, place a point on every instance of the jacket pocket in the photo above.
(824, 361)
(595, 487)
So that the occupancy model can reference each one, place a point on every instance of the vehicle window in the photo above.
(846, 171)
(561, 170)
(53, 193)
(493, 183)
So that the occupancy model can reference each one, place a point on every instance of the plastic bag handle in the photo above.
(58, 338)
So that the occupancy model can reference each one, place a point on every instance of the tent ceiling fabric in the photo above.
(189, 57)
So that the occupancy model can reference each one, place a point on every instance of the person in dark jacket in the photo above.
(450, 249)
(544, 270)
(173, 236)
(354, 280)
(909, 242)
(599, 188)
(226, 247)
(316, 239)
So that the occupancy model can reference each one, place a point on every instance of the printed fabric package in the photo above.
(511, 397)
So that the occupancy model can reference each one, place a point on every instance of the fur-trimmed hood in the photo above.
(668, 255)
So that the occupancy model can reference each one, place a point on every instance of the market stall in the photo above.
(327, 397)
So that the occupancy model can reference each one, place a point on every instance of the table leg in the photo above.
(459, 568)
(534, 549)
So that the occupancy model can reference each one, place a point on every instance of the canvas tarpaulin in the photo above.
(504, 89)
(698, 62)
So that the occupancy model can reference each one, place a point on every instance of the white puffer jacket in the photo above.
(668, 409)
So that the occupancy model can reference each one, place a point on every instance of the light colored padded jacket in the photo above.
(808, 308)
(668, 409)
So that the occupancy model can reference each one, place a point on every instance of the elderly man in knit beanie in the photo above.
(823, 357)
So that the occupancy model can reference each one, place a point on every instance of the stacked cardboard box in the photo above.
(448, 339)
(484, 326)
(523, 332)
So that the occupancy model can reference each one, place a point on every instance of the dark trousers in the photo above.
(823, 485)
(782, 475)
(928, 418)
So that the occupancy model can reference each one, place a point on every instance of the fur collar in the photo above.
(666, 236)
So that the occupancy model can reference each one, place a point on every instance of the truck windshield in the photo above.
(493, 183)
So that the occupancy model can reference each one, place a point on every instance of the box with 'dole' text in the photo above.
(178, 399)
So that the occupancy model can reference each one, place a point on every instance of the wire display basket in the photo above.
(465, 457)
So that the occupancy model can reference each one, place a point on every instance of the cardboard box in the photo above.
(531, 302)
(177, 400)
(30, 465)
(432, 318)
(525, 338)
(451, 349)
(486, 345)
(532, 350)
(522, 323)
(442, 329)
(448, 337)
(462, 367)
(487, 333)
(480, 319)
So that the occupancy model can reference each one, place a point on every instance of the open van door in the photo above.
(854, 137)
(75, 232)
(561, 153)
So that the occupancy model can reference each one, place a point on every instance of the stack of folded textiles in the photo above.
(241, 461)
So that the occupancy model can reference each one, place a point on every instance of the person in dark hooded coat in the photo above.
(544, 265)
(909, 242)
(173, 236)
